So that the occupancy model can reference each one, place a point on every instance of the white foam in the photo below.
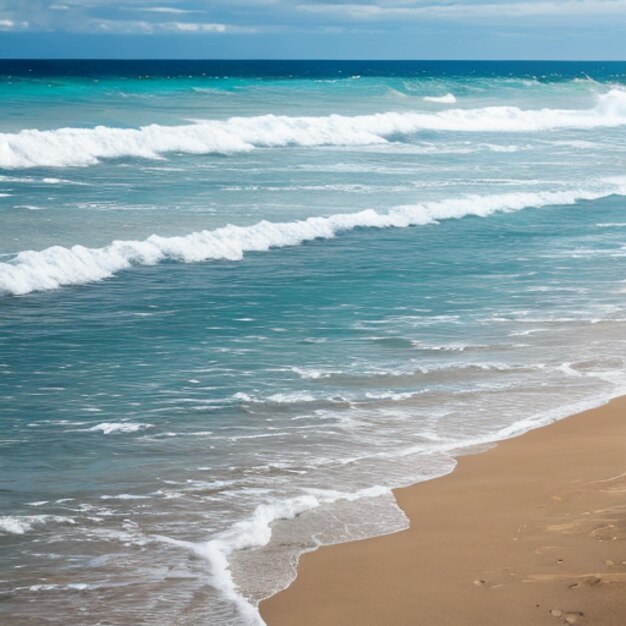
(293, 397)
(21, 524)
(48, 180)
(87, 146)
(449, 98)
(567, 368)
(118, 427)
(256, 531)
(312, 374)
(57, 266)
(394, 396)
(243, 397)
(69, 587)
(449, 347)
(125, 496)
(548, 417)
(499, 148)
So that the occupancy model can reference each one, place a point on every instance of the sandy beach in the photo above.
(530, 532)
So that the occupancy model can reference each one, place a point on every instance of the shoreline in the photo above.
(530, 531)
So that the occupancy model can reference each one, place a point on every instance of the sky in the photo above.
(317, 29)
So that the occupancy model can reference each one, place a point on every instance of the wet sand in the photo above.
(531, 532)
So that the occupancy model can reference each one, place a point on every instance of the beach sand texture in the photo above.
(531, 532)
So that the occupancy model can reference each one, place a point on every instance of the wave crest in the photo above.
(57, 266)
(87, 146)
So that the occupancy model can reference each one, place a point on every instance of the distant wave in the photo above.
(57, 266)
(87, 146)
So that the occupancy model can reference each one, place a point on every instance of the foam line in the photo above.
(87, 146)
(58, 266)
(256, 531)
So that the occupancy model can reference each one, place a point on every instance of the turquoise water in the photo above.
(241, 302)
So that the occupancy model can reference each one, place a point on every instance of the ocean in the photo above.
(242, 301)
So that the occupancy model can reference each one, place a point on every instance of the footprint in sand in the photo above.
(569, 617)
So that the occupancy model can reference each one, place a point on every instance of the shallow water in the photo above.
(223, 341)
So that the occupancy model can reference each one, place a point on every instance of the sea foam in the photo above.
(449, 98)
(87, 146)
(256, 531)
(118, 427)
(21, 524)
(57, 266)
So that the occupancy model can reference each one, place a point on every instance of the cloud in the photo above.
(192, 27)
(6, 24)
(465, 10)
(141, 27)
(192, 17)
(166, 10)
(129, 17)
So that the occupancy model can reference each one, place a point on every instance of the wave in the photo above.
(256, 531)
(313, 374)
(21, 524)
(125, 496)
(449, 98)
(452, 347)
(407, 370)
(118, 427)
(58, 266)
(45, 181)
(305, 397)
(87, 146)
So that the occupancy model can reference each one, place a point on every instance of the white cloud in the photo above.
(141, 27)
(6, 24)
(487, 10)
(192, 27)
(166, 10)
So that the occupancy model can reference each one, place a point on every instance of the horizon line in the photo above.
(315, 60)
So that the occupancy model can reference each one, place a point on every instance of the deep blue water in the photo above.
(308, 69)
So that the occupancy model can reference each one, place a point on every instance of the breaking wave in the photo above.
(107, 428)
(449, 98)
(87, 146)
(57, 266)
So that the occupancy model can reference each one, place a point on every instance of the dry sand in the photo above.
(531, 532)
